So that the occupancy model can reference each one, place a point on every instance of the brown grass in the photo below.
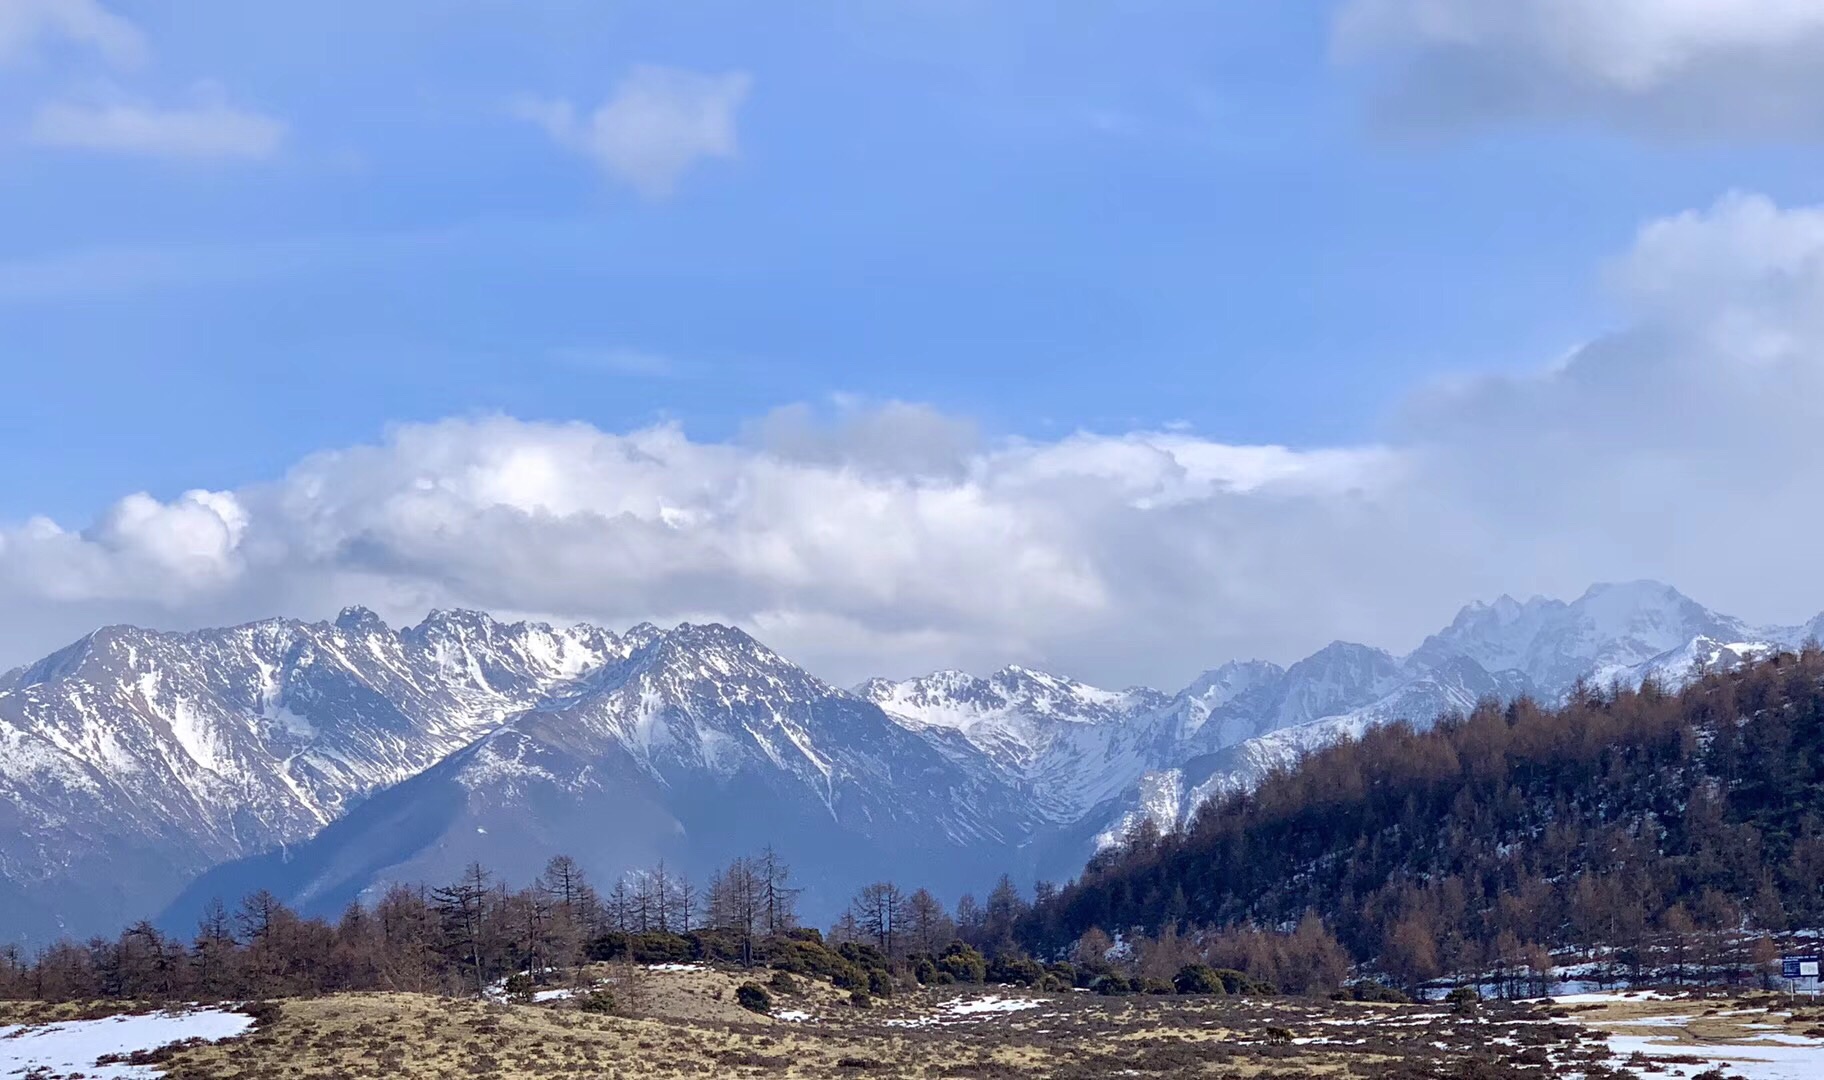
(689, 1026)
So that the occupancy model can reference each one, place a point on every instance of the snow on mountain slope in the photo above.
(700, 744)
(1612, 633)
(1168, 798)
(1600, 636)
(1068, 745)
(1234, 696)
(168, 753)
(133, 760)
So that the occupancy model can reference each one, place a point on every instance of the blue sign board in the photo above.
(1799, 967)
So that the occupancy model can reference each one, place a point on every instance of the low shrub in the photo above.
(1015, 968)
(519, 988)
(1367, 990)
(963, 963)
(1198, 979)
(754, 998)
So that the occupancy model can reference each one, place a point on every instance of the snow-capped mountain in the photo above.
(133, 760)
(1612, 633)
(330, 757)
(700, 744)
(1066, 745)
(1606, 633)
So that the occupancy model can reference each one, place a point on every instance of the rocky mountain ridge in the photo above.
(338, 755)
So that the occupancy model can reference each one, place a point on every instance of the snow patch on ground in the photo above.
(1609, 998)
(1754, 1062)
(963, 1010)
(1676, 1055)
(990, 1004)
(72, 1046)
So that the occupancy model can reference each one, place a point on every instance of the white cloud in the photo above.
(1678, 67)
(893, 537)
(26, 25)
(210, 129)
(659, 123)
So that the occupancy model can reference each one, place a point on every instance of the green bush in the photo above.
(595, 1001)
(809, 958)
(1198, 979)
(1015, 968)
(1111, 984)
(609, 946)
(924, 969)
(519, 987)
(754, 998)
(860, 999)
(656, 947)
(963, 963)
(652, 947)
(849, 977)
(784, 982)
(862, 954)
(1156, 986)
(1463, 1000)
(1366, 990)
(880, 983)
(1238, 982)
(719, 946)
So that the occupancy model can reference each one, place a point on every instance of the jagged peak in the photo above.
(1637, 588)
(360, 620)
(1345, 651)
(715, 634)
(1244, 672)
(445, 619)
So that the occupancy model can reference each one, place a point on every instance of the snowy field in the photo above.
(963, 1010)
(1765, 1052)
(1784, 1057)
(71, 1047)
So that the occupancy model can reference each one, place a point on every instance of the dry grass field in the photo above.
(688, 1025)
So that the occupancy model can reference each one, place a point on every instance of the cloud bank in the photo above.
(1683, 68)
(891, 538)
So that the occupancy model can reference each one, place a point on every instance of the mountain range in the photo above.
(144, 772)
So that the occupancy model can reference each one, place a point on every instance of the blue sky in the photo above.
(1136, 215)
(1039, 222)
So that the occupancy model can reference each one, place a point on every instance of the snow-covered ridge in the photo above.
(139, 758)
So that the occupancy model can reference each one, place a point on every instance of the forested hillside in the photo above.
(1648, 826)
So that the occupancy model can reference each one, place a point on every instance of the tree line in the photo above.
(464, 936)
(477, 936)
(1662, 835)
